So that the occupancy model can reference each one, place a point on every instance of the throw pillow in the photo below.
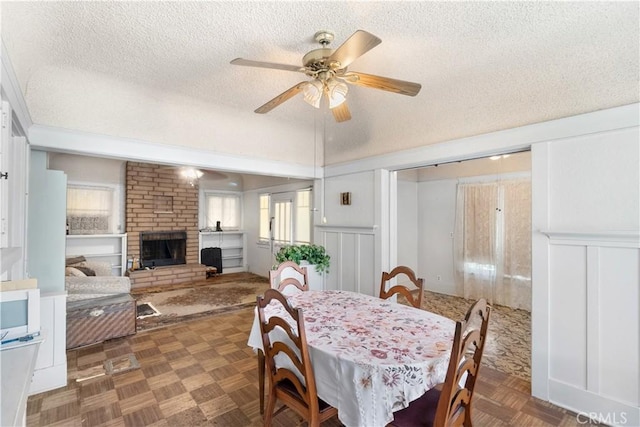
(86, 270)
(72, 271)
(75, 260)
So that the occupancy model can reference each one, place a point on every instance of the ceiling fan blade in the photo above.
(341, 113)
(260, 64)
(357, 45)
(384, 83)
(284, 96)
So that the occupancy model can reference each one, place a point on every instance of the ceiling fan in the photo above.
(328, 70)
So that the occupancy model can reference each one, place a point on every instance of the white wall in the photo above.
(89, 169)
(408, 228)
(362, 189)
(595, 182)
(352, 234)
(436, 219)
(586, 274)
(258, 256)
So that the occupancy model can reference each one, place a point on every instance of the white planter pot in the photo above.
(316, 280)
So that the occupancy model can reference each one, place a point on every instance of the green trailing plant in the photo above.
(313, 254)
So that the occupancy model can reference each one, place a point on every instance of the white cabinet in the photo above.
(232, 244)
(51, 365)
(45, 262)
(14, 166)
(5, 172)
(111, 248)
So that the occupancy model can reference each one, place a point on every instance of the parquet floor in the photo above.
(202, 373)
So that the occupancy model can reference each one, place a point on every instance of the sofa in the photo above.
(99, 306)
(92, 279)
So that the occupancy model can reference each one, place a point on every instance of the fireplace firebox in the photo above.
(160, 248)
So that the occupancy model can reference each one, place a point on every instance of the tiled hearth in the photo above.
(159, 199)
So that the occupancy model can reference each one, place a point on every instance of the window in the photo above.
(223, 207)
(281, 225)
(90, 209)
(286, 217)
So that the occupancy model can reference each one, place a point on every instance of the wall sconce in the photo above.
(345, 198)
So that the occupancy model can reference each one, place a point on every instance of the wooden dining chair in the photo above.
(289, 284)
(414, 300)
(449, 403)
(294, 385)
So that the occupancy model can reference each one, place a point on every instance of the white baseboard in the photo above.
(49, 379)
(591, 405)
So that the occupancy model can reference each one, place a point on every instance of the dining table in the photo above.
(370, 357)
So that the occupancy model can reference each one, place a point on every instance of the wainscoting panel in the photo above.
(332, 246)
(348, 274)
(568, 299)
(369, 279)
(594, 360)
(618, 315)
(352, 253)
(51, 365)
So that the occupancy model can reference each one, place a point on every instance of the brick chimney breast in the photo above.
(159, 199)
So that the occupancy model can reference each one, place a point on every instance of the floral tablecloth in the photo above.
(371, 357)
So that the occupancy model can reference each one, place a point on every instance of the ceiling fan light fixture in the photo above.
(336, 92)
(191, 175)
(327, 68)
(313, 93)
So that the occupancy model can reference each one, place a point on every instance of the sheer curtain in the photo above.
(225, 208)
(492, 247)
(475, 245)
(513, 288)
(89, 210)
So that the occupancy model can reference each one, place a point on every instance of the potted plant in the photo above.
(309, 256)
(312, 254)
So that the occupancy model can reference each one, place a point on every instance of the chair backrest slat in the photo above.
(292, 343)
(449, 404)
(415, 301)
(284, 285)
(466, 354)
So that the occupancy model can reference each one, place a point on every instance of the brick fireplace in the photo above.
(159, 199)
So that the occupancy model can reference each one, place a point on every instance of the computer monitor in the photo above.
(19, 313)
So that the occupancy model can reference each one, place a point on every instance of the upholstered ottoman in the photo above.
(94, 320)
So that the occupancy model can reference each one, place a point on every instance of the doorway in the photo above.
(290, 221)
(431, 239)
(281, 225)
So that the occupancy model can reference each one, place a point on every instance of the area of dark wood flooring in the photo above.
(202, 373)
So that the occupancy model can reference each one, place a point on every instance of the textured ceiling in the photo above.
(159, 71)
